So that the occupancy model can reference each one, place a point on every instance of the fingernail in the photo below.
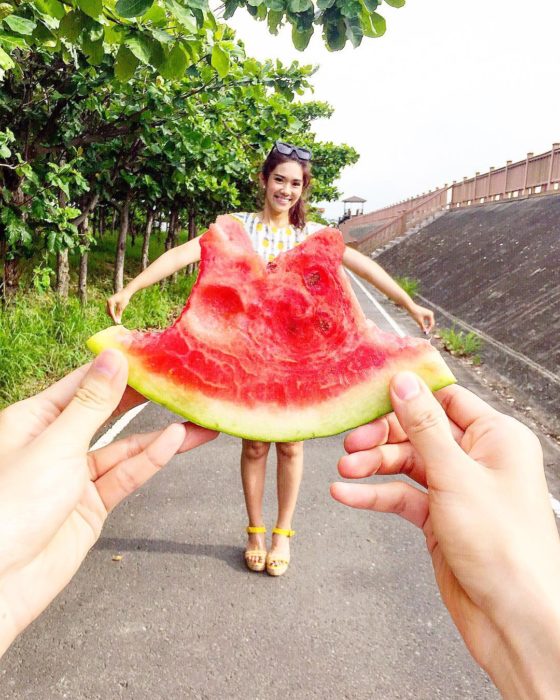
(108, 363)
(406, 385)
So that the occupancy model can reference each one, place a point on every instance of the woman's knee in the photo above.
(289, 450)
(252, 449)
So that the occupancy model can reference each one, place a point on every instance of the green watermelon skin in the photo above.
(277, 353)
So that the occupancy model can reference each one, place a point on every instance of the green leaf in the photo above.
(141, 46)
(350, 8)
(354, 31)
(157, 55)
(114, 34)
(373, 24)
(4, 151)
(91, 8)
(198, 4)
(299, 5)
(71, 25)
(275, 20)
(276, 5)
(5, 9)
(125, 64)
(396, 3)
(156, 15)
(230, 6)
(133, 8)
(255, 3)
(162, 37)
(325, 4)
(96, 31)
(175, 64)
(335, 35)
(93, 50)
(50, 8)
(45, 37)
(20, 25)
(12, 41)
(371, 5)
(183, 15)
(301, 39)
(220, 60)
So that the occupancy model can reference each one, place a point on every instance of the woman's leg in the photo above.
(253, 472)
(289, 473)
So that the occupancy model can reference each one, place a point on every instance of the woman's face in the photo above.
(284, 187)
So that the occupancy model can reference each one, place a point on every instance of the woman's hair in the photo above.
(273, 159)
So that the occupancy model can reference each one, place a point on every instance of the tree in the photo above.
(167, 35)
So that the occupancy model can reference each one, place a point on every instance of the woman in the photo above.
(281, 225)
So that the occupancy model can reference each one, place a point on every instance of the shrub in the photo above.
(410, 285)
(462, 344)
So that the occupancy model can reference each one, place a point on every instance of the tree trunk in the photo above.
(10, 260)
(114, 221)
(159, 226)
(170, 240)
(62, 274)
(191, 268)
(132, 227)
(12, 273)
(118, 275)
(82, 279)
(150, 214)
(101, 221)
(62, 264)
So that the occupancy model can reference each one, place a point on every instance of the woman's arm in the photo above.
(373, 273)
(164, 266)
(168, 263)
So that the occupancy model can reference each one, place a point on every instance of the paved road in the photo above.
(357, 616)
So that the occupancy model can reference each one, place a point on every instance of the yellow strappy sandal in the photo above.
(278, 565)
(257, 555)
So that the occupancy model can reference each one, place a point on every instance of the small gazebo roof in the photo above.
(354, 200)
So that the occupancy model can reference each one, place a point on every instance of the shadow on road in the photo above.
(230, 555)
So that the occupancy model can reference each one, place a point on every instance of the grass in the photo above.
(462, 344)
(410, 285)
(43, 337)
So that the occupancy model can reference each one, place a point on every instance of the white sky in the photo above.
(454, 86)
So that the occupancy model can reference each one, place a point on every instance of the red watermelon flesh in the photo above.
(277, 352)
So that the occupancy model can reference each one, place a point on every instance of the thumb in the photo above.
(95, 400)
(426, 425)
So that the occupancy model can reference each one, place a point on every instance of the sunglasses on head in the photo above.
(287, 149)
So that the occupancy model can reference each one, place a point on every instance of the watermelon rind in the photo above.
(269, 422)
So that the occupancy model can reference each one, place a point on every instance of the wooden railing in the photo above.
(403, 216)
(535, 175)
(532, 176)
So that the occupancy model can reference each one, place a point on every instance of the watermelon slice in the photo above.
(278, 352)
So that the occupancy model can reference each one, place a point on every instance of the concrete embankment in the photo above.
(495, 269)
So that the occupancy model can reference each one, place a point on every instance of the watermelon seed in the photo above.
(312, 279)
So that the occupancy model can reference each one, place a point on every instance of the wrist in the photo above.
(407, 304)
(527, 665)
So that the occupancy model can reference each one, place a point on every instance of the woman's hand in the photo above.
(486, 518)
(54, 494)
(116, 305)
(423, 317)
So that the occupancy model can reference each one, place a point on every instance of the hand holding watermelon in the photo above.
(55, 495)
(486, 517)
